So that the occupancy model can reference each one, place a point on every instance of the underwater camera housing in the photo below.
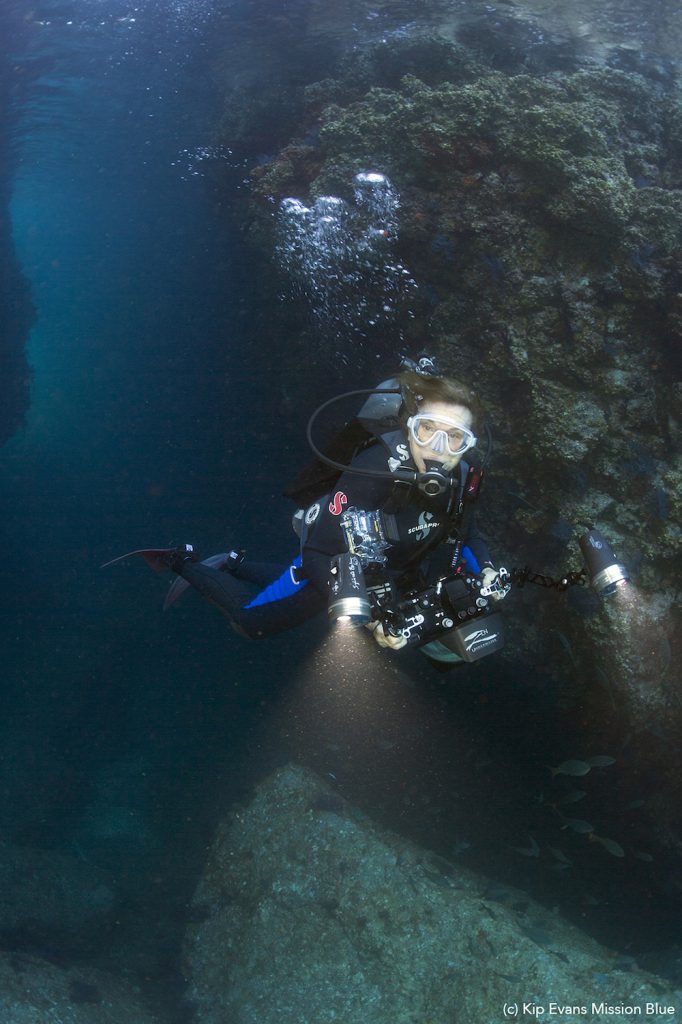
(454, 614)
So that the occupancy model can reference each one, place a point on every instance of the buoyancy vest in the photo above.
(317, 478)
(454, 520)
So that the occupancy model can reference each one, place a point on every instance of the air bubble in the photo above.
(339, 255)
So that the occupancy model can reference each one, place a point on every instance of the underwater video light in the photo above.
(605, 571)
(348, 601)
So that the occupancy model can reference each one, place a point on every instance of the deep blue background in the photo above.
(147, 384)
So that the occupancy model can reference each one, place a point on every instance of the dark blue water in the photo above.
(133, 436)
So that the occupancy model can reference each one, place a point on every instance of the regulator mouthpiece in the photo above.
(605, 571)
(348, 601)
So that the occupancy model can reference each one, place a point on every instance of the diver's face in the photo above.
(441, 416)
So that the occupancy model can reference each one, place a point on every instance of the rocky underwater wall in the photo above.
(538, 225)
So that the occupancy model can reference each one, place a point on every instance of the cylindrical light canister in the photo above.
(347, 590)
(605, 571)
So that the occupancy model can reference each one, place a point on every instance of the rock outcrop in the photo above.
(313, 915)
(33, 990)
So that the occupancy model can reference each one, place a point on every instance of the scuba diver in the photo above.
(387, 529)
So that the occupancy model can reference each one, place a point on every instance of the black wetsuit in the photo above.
(299, 591)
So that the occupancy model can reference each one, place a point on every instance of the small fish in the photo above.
(560, 855)
(591, 901)
(499, 893)
(520, 497)
(460, 847)
(565, 643)
(571, 767)
(436, 877)
(537, 934)
(642, 855)
(625, 963)
(572, 797)
(528, 851)
(634, 805)
(486, 910)
(514, 979)
(611, 845)
(578, 825)
(601, 761)
(441, 864)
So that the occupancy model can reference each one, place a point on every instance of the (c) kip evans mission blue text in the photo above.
(582, 1010)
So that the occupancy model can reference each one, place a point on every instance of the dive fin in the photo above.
(157, 558)
(180, 585)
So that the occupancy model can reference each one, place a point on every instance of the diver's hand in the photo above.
(490, 576)
(385, 639)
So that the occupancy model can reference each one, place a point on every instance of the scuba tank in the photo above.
(378, 415)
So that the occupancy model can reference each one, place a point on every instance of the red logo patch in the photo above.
(336, 506)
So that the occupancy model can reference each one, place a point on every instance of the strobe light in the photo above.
(348, 601)
(605, 571)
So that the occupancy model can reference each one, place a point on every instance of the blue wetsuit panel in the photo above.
(284, 586)
(470, 560)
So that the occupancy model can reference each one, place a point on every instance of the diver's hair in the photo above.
(417, 390)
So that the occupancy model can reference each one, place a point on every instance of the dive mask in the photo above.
(440, 434)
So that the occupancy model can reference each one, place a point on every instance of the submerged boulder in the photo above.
(33, 991)
(312, 914)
